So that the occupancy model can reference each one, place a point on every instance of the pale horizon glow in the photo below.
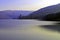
(26, 4)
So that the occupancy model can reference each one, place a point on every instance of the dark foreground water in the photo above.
(28, 30)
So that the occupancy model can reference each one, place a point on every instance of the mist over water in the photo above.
(28, 30)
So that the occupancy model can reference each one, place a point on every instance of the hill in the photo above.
(41, 13)
(13, 14)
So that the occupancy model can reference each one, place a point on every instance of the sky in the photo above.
(26, 4)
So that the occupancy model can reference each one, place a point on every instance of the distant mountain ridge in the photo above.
(13, 14)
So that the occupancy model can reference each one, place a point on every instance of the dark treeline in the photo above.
(49, 17)
(29, 17)
(53, 17)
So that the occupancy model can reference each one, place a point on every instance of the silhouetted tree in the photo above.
(20, 16)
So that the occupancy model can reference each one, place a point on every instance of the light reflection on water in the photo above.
(27, 30)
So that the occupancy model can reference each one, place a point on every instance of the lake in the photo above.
(13, 29)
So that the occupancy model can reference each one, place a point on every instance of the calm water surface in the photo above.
(27, 30)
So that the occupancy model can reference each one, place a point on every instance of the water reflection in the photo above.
(55, 27)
